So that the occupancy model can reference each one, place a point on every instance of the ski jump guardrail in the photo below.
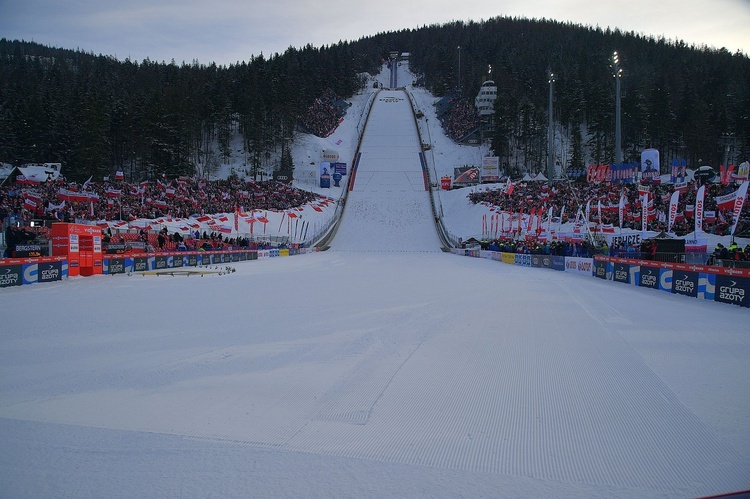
(330, 233)
(442, 232)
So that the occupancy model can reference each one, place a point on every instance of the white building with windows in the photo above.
(485, 99)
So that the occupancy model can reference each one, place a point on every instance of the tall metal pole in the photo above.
(459, 69)
(550, 129)
(617, 73)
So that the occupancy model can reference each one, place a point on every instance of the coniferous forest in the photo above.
(96, 114)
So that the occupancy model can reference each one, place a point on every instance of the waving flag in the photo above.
(726, 202)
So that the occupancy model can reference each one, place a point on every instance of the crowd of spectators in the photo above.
(324, 115)
(533, 196)
(120, 200)
(458, 117)
(733, 252)
(537, 247)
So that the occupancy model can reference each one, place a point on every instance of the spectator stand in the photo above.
(459, 118)
(324, 115)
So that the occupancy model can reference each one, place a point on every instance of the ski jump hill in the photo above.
(388, 206)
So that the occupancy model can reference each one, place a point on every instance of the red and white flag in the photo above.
(725, 202)
(29, 204)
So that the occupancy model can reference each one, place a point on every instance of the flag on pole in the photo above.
(738, 202)
(673, 209)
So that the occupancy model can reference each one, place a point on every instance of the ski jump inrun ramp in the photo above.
(388, 207)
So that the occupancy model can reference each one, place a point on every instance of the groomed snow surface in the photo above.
(380, 368)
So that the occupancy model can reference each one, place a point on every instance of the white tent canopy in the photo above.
(539, 177)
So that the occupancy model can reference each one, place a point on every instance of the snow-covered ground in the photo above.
(380, 368)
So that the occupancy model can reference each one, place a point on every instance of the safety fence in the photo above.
(706, 282)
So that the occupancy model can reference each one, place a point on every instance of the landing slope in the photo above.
(388, 208)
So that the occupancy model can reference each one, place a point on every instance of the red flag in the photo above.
(726, 202)
(29, 204)
(532, 216)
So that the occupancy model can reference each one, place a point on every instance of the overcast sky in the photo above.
(228, 31)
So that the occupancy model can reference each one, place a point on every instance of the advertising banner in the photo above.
(743, 172)
(140, 264)
(523, 260)
(578, 265)
(325, 174)
(116, 266)
(325, 181)
(650, 169)
(622, 240)
(648, 277)
(685, 283)
(733, 290)
(26, 250)
(490, 169)
(48, 272)
(329, 156)
(10, 275)
(621, 273)
(74, 247)
(117, 248)
(558, 263)
(508, 258)
(285, 177)
(465, 175)
(600, 269)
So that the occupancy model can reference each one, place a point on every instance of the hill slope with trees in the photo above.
(96, 114)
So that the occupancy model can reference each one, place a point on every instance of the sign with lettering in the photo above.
(685, 283)
(733, 290)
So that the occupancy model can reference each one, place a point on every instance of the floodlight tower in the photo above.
(550, 129)
(617, 73)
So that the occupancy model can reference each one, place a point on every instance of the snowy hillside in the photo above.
(366, 372)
